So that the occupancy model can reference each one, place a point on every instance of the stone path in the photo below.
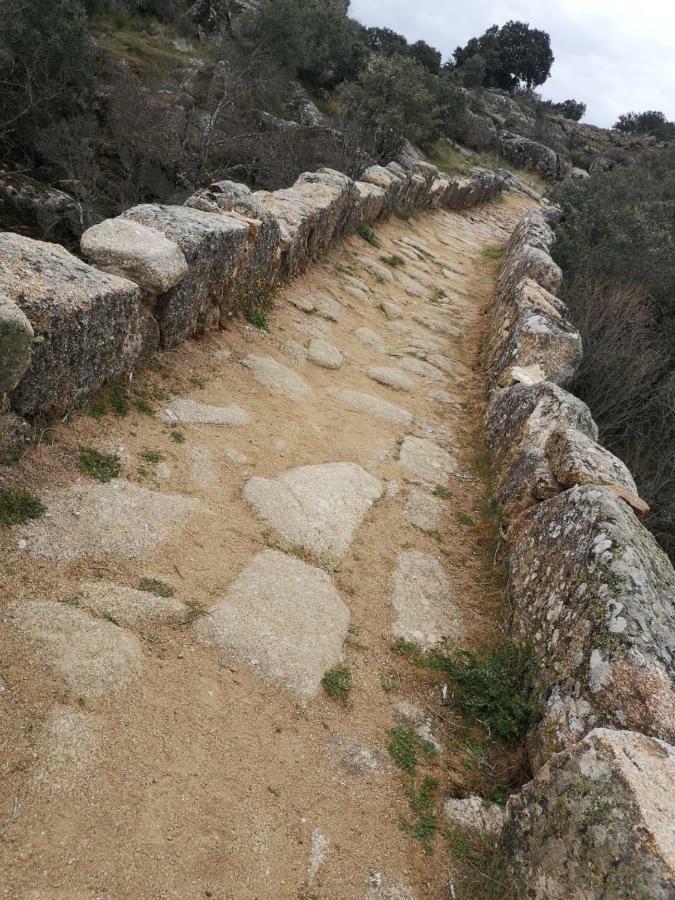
(300, 500)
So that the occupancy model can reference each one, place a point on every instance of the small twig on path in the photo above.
(179, 571)
(11, 819)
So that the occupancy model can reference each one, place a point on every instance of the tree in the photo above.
(650, 122)
(570, 109)
(385, 41)
(313, 39)
(473, 71)
(396, 97)
(46, 66)
(514, 55)
(426, 56)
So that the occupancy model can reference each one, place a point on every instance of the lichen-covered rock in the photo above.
(88, 325)
(368, 203)
(528, 328)
(527, 255)
(214, 246)
(134, 251)
(577, 459)
(311, 215)
(16, 340)
(391, 183)
(594, 598)
(259, 264)
(519, 421)
(527, 154)
(596, 822)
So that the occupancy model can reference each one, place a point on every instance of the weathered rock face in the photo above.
(37, 209)
(259, 266)
(526, 154)
(16, 339)
(527, 255)
(389, 181)
(88, 325)
(596, 822)
(594, 597)
(519, 421)
(214, 247)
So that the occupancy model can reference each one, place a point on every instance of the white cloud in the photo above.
(615, 55)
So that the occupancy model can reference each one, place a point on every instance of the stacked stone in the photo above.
(161, 274)
(593, 598)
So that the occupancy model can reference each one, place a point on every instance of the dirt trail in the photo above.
(184, 746)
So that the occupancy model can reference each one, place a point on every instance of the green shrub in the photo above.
(101, 466)
(337, 683)
(18, 506)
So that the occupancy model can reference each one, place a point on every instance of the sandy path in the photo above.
(184, 747)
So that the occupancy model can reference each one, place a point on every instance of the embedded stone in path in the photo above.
(436, 325)
(114, 519)
(191, 412)
(422, 599)
(276, 377)
(302, 303)
(234, 456)
(324, 354)
(373, 406)
(443, 397)
(328, 308)
(444, 364)
(426, 460)
(283, 618)
(129, 606)
(391, 310)
(423, 510)
(437, 433)
(316, 507)
(202, 470)
(356, 760)
(392, 378)
(399, 328)
(92, 657)
(66, 750)
(380, 273)
(370, 339)
(419, 367)
(295, 351)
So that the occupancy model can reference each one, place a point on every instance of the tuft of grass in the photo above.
(144, 407)
(463, 519)
(337, 683)
(403, 748)
(155, 586)
(101, 466)
(497, 691)
(110, 618)
(494, 254)
(396, 262)
(258, 318)
(177, 437)
(197, 382)
(443, 492)
(18, 506)
(152, 456)
(368, 235)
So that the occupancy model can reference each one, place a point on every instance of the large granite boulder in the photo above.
(594, 598)
(16, 340)
(88, 325)
(260, 263)
(528, 328)
(214, 246)
(596, 822)
(528, 154)
(311, 215)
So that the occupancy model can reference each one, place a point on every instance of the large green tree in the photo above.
(650, 122)
(514, 55)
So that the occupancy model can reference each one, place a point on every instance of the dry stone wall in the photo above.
(594, 600)
(157, 275)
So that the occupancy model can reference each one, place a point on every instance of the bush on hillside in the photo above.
(570, 109)
(651, 122)
(616, 245)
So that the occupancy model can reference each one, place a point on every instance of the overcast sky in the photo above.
(615, 55)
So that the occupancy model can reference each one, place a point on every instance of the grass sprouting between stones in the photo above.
(177, 437)
(404, 746)
(101, 466)
(155, 586)
(337, 683)
(152, 456)
(18, 506)
(258, 319)
(368, 235)
(396, 262)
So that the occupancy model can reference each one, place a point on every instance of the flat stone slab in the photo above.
(92, 657)
(202, 469)
(117, 519)
(66, 750)
(392, 378)
(323, 354)
(423, 510)
(474, 813)
(128, 606)
(443, 363)
(440, 396)
(283, 618)
(328, 308)
(191, 412)
(316, 507)
(370, 339)
(420, 367)
(422, 599)
(276, 377)
(391, 310)
(436, 325)
(426, 460)
(356, 760)
(302, 303)
(373, 406)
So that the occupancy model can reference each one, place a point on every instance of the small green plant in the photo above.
(110, 618)
(337, 682)
(368, 235)
(388, 687)
(197, 382)
(18, 506)
(101, 466)
(396, 262)
(443, 492)
(144, 407)
(494, 254)
(496, 691)
(71, 600)
(177, 437)
(152, 456)
(115, 394)
(403, 747)
(463, 519)
(155, 586)
(258, 318)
